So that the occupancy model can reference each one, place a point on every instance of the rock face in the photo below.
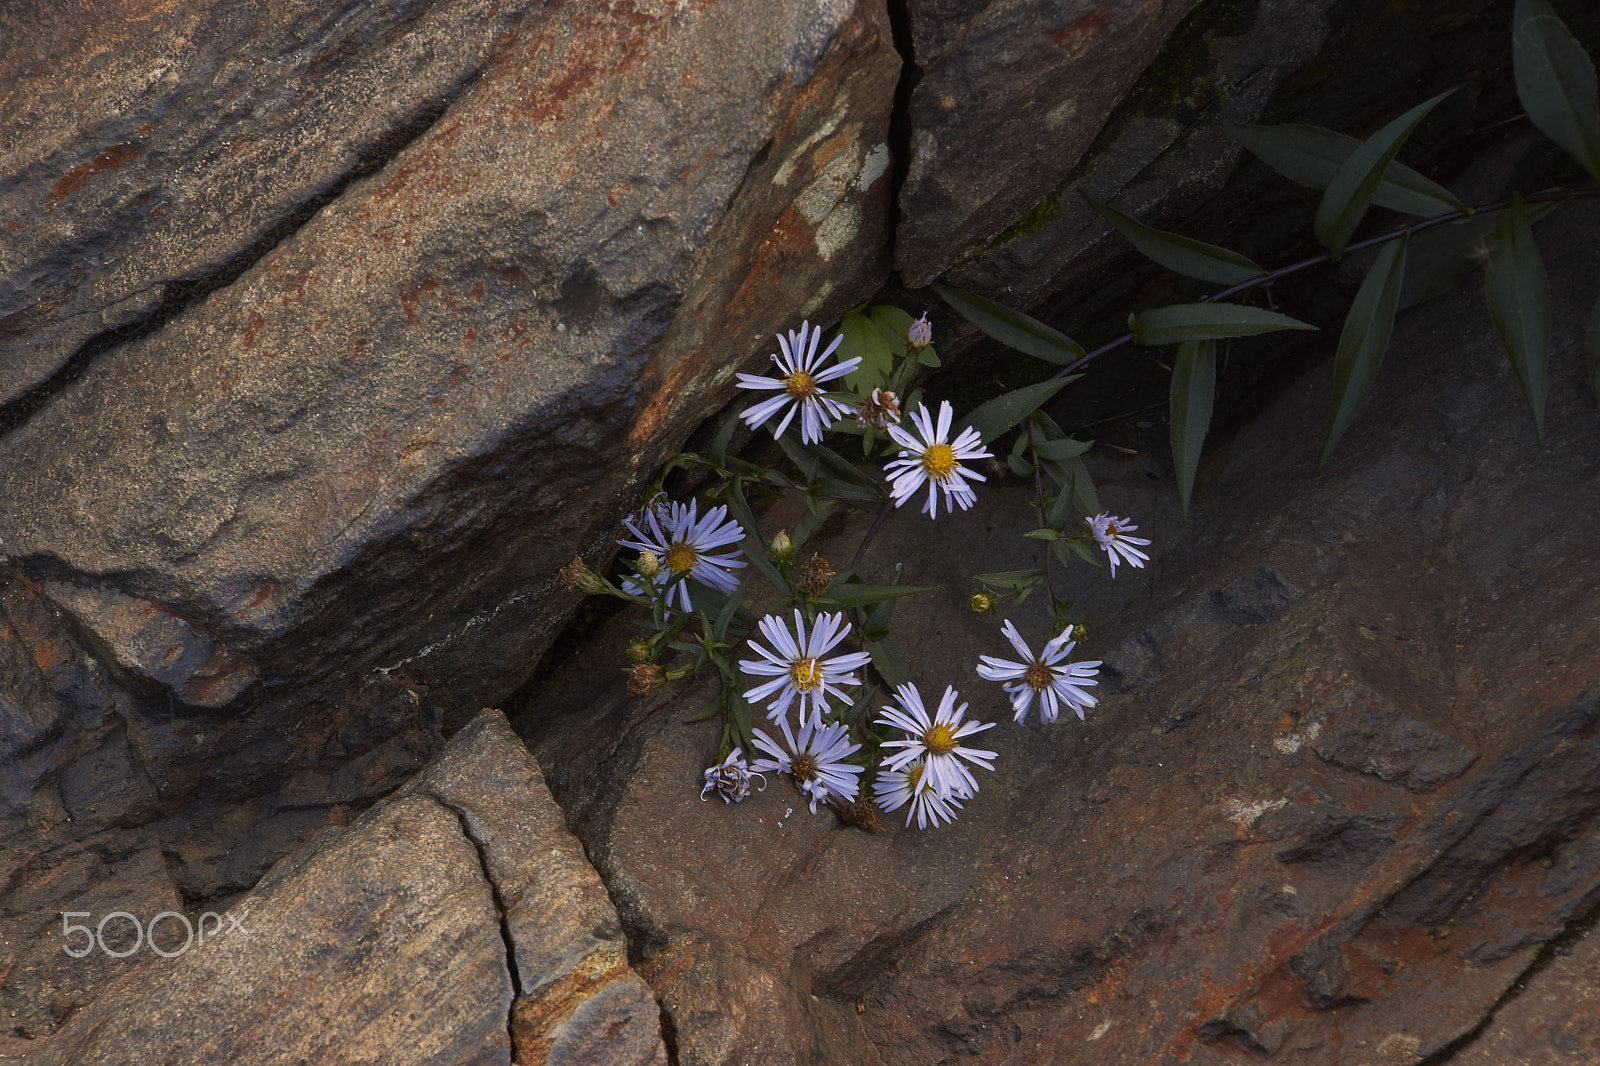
(1342, 786)
(456, 921)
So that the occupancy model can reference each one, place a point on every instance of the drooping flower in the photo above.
(685, 545)
(731, 778)
(797, 666)
(1111, 533)
(933, 458)
(801, 384)
(879, 409)
(816, 760)
(908, 784)
(936, 740)
(1053, 681)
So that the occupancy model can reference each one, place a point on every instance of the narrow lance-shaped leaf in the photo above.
(1312, 155)
(861, 594)
(1012, 328)
(1365, 338)
(1350, 192)
(1556, 82)
(1189, 257)
(1519, 302)
(888, 659)
(1439, 259)
(1204, 322)
(1004, 411)
(1194, 379)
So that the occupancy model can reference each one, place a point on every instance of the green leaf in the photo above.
(1350, 193)
(888, 659)
(1591, 349)
(1043, 534)
(816, 512)
(1556, 82)
(1064, 448)
(1012, 328)
(730, 610)
(864, 339)
(1083, 488)
(929, 358)
(1363, 341)
(1009, 579)
(878, 618)
(1439, 259)
(894, 324)
(1019, 467)
(1081, 550)
(1194, 380)
(711, 710)
(1204, 322)
(1060, 510)
(1312, 155)
(860, 594)
(758, 558)
(719, 444)
(1004, 411)
(1187, 256)
(740, 510)
(1519, 302)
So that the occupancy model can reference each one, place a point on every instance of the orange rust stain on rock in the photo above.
(1076, 38)
(147, 128)
(112, 158)
(477, 290)
(45, 653)
(470, 335)
(253, 324)
(409, 298)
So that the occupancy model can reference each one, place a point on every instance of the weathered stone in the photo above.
(1320, 815)
(1009, 96)
(388, 941)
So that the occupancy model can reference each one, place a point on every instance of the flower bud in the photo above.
(639, 651)
(920, 335)
(981, 602)
(782, 547)
(647, 565)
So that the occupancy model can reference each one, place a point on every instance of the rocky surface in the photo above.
(456, 921)
(1340, 790)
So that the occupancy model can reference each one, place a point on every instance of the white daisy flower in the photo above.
(1110, 533)
(799, 667)
(933, 458)
(895, 788)
(731, 778)
(936, 740)
(1053, 684)
(816, 760)
(684, 545)
(800, 383)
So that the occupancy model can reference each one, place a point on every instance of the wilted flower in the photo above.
(800, 383)
(937, 741)
(935, 460)
(1111, 533)
(798, 667)
(812, 577)
(644, 678)
(731, 778)
(881, 408)
(895, 788)
(1042, 676)
(920, 335)
(817, 760)
(577, 576)
(685, 544)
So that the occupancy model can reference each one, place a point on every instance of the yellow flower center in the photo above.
(800, 383)
(681, 557)
(806, 674)
(941, 739)
(1038, 677)
(803, 767)
(939, 460)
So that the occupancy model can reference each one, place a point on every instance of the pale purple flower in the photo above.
(1053, 681)
(931, 457)
(1111, 533)
(936, 739)
(684, 546)
(800, 384)
(909, 784)
(731, 778)
(816, 760)
(797, 666)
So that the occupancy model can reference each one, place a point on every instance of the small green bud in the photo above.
(782, 548)
(982, 603)
(647, 565)
(639, 651)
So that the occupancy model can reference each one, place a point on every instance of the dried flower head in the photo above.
(861, 812)
(731, 778)
(880, 409)
(577, 577)
(644, 678)
(812, 577)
